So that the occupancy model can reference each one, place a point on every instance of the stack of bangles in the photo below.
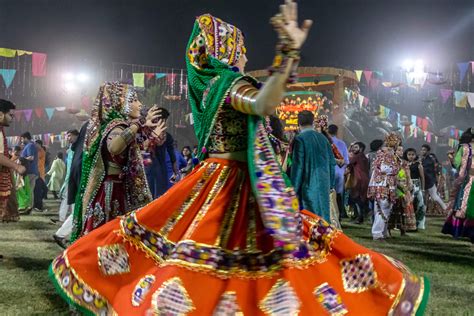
(129, 135)
(243, 98)
(284, 51)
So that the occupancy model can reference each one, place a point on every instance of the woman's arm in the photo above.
(422, 176)
(119, 138)
(248, 99)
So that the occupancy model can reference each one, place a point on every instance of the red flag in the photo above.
(149, 75)
(39, 112)
(424, 124)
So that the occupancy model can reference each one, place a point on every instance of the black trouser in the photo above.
(340, 205)
(41, 190)
(360, 208)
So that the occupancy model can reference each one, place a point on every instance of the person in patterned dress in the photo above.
(229, 238)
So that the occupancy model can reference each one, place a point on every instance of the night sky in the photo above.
(370, 34)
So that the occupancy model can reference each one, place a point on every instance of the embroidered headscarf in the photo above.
(392, 140)
(113, 102)
(213, 49)
(111, 109)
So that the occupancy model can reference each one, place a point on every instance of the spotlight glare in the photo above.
(82, 77)
(419, 66)
(407, 64)
(69, 86)
(68, 76)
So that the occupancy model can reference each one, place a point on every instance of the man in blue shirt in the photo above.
(340, 170)
(30, 153)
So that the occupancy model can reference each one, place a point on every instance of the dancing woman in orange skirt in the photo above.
(230, 238)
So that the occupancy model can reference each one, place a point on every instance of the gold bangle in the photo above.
(243, 99)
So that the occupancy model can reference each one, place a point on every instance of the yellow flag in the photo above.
(23, 52)
(7, 52)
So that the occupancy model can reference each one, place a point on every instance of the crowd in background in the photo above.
(390, 186)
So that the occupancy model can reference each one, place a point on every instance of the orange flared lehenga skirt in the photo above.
(201, 249)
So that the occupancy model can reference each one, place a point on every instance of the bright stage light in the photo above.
(68, 76)
(69, 86)
(407, 64)
(82, 77)
(419, 66)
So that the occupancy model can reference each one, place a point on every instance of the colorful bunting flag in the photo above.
(462, 70)
(39, 112)
(358, 74)
(27, 114)
(367, 75)
(38, 66)
(18, 114)
(160, 75)
(8, 75)
(460, 98)
(7, 52)
(23, 52)
(139, 80)
(470, 98)
(149, 75)
(49, 112)
(366, 101)
(428, 137)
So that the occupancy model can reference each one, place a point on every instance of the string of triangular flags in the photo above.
(27, 114)
(139, 79)
(411, 78)
(47, 138)
(415, 126)
(38, 62)
(461, 98)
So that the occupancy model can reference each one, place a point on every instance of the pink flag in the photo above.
(368, 75)
(18, 115)
(445, 94)
(39, 64)
(366, 101)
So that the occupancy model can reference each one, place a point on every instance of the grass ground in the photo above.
(28, 248)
